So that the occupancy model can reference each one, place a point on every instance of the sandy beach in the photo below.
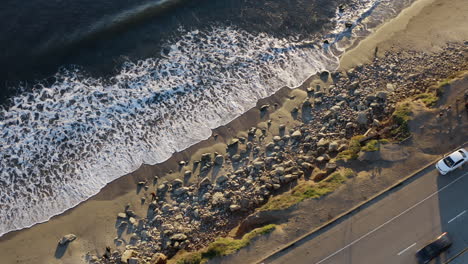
(427, 26)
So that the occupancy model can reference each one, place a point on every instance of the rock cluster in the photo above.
(189, 216)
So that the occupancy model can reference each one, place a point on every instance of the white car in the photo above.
(452, 161)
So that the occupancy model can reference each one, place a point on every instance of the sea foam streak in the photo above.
(61, 144)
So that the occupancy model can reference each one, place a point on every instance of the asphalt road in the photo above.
(392, 229)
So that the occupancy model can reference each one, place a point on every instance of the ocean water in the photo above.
(122, 83)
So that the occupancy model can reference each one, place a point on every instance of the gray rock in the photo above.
(236, 158)
(219, 159)
(122, 215)
(362, 118)
(264, 107)
(205, 182)
(206, 157)
(307, 166)
(218, 198)
(279, 171)
(258, 164)
(188, 174)
(158, 258)
(179, 237)
(133, 260)
(330, 167)
(221, 179)
(181, 191)
(297, 134)
(67, 239)
(234, 207)
(162, 187)
(177, 183)
(127, 254)
(320, 159)
(166, 208)
(322, 143)
(270, 145)
(382, 95)
(333, 146)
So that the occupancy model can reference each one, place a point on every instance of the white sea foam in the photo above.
(61, 144)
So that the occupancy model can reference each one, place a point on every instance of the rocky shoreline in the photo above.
(219, 190)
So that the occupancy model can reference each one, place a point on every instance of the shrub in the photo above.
(353, 149)
(308, 190)
(401, 117)
(372, 145)
(429, 99)
(224, 246)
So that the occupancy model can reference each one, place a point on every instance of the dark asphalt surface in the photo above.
(393, 229)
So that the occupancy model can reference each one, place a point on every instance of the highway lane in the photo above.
(394, 228)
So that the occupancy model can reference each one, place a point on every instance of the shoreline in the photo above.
(112, 198)
(142, 165)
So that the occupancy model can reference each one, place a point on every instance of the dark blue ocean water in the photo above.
(38, 37)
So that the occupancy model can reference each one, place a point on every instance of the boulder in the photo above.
(382, 95)
(177, 183)
(362, 118)
(188, 174)
(279, 171)
(322, 143)
(297, 134)
(258, 164)
(180, 191)
(204, 182)
(206, 157)
(221, 179)
(219, 159)
(122, 215)
(320, 159)
(127, 254)
(333, 146)
(330, 167)
(264, 107)
(233, 142)
(67, 239)
(158, 258)
(133, 260)
(132, 221)
(320, 176)
(218, 198)
(236, 158)
(179, 237)
(234, 207)
(162, 187)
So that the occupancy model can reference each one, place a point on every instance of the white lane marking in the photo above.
(402, 213)
(460, 214)
(403, 251)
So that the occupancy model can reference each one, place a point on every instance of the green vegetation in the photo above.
(308, 190)
(401, 117)
(429, 99)
(224, 246)
(384, 141)
(353, 149)
(372, 145)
